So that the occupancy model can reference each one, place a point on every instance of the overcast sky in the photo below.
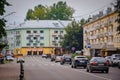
(83, 8)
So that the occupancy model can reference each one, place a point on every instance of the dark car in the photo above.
(53, 58)
(98, 64)
(66, 59)
(79, 63)
(119, 64)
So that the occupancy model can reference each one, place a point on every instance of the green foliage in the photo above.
(29, 15)
(74, 35)
(3, 3)
(56, 11)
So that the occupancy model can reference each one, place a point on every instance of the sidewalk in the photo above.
(9, 71)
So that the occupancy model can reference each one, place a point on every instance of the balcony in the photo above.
(110, 33)
(103, 46)
(98, 27)
(106, 25)
(93, 37)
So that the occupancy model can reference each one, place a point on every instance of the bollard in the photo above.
(21, 71)
(21, 77)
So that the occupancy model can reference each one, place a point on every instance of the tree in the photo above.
(74, 35)
(39, 13)
(30, 15)
(56, 11)
(60, 11)
(117, 6)
(3, 3)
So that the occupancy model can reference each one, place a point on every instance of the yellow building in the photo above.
(100, 35)
(34, 51)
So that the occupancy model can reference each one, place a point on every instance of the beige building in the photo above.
(100, 35)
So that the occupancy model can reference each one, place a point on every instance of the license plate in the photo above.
(81, 61)
(101, 64)
(67, 59)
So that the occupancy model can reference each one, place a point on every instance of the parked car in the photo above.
(115, 58)
(97, 64)
(66, 59)
(44, 56)
(79, 61)
(9, 58)
(119, 64)
(58, 58)
(53, 58)
(20, 59)
(108, 58)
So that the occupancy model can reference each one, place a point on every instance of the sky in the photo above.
(83, 8)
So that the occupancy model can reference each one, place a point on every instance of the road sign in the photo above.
(73, 48)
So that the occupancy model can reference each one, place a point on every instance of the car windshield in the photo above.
(108, 57)
(117, 56)
(9, 56)
(80, 57)
(99, 59)
(67, 56)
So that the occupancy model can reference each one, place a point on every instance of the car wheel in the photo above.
(119, 65)
(61, 63)
(107, 71)
(84, 67)
(75, 66)
(112, 64)
(72, 66)
(90, 71)
(87, 70)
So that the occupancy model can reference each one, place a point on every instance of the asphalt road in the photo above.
(37, 68)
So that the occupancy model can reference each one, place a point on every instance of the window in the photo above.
(28, 44)
(34, 37)
(55, 38)
(35, 44)
(61, 31)
(34, 31)
(41, 31)
(41, 44)
(55, 31)
(41, 37)
(28, 37)
(31, 41)
(28, 31)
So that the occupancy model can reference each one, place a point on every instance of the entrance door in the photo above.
(34, 52)
(29, 53)
(40, 52)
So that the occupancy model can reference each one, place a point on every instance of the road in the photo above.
(37, 68)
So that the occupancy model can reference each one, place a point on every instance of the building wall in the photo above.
(100, 36)
(20, 40)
